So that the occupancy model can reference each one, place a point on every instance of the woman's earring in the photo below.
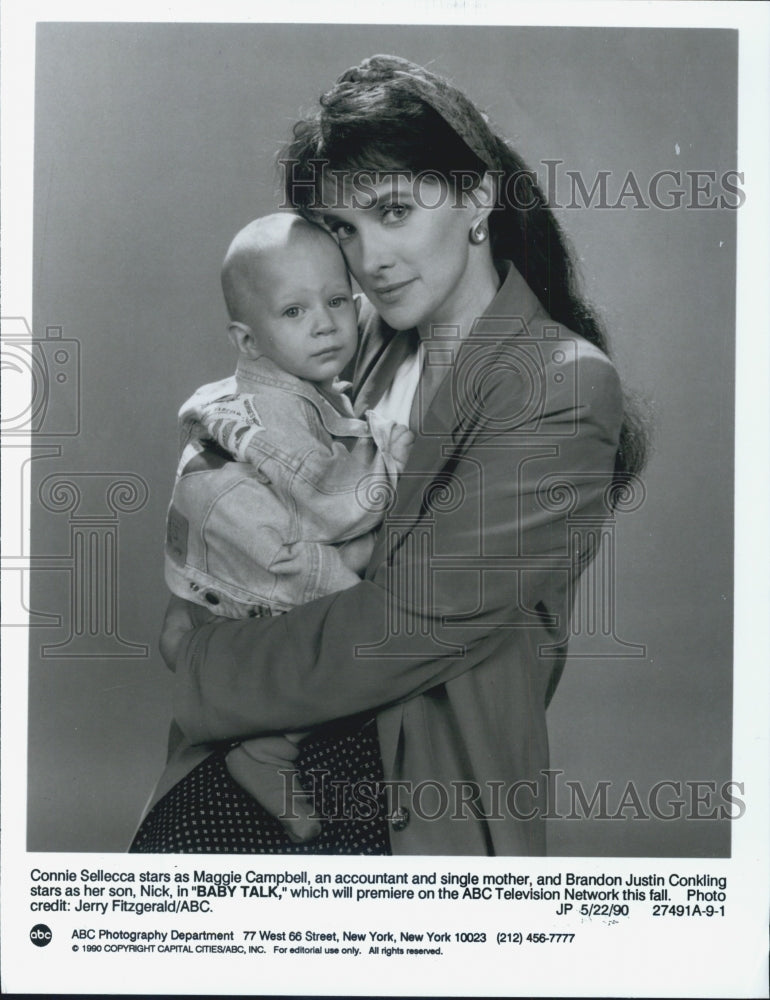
(479, 232)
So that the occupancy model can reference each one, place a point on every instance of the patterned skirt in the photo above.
(208, 813)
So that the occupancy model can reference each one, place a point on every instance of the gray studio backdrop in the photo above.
(154, 144)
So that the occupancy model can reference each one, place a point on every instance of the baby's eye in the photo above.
(292, 312)
(342, 230)
(394, 213)
(338, 300)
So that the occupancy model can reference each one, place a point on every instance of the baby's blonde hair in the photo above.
(242, 260)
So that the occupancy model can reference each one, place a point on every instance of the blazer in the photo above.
(459, 631)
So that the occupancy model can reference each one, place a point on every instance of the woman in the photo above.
(456, 638)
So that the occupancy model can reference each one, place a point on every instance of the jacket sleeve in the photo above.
(496, 536)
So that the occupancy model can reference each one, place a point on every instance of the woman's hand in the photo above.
(181, 618)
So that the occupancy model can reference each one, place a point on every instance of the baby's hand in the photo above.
(357, 552)
(401, 440)
(391, 438)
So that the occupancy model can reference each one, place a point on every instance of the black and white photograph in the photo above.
(373, 497)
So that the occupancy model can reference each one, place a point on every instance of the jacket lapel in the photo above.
(439, 431)
(449, 417)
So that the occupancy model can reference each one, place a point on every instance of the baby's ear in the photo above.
(242, 338)
(357, 299)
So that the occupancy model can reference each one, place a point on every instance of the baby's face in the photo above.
(303, 316)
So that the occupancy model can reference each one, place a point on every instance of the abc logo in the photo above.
(40, 935)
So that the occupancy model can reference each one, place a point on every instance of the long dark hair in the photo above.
(386, 126)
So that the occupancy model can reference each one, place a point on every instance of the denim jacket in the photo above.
(292, 515)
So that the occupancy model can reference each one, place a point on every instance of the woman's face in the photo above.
(407, 244)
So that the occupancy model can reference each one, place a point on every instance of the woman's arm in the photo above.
(499, 545)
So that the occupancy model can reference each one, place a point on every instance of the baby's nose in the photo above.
(325, 321)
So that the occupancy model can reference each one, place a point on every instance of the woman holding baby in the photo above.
(424, 687)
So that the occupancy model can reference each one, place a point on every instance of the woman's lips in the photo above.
(390, 293)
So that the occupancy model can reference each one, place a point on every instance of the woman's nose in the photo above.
(373, 257)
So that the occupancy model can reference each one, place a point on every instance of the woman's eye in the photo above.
(292, 312)
(394, 213)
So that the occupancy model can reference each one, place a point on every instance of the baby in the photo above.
(293, 518)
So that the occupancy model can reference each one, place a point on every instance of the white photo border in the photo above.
(745, 957)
